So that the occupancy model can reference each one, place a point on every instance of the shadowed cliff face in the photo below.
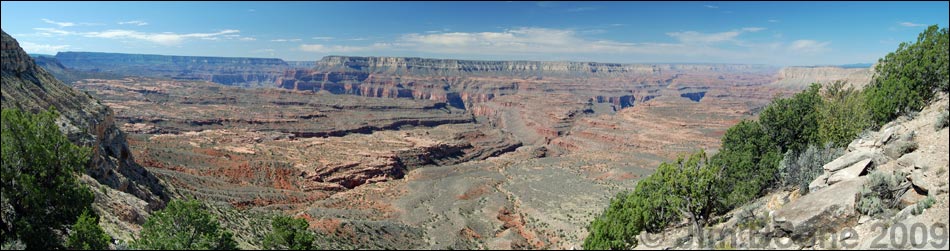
(466, 83)
(88, 122)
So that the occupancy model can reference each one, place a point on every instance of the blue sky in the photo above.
(776, 33)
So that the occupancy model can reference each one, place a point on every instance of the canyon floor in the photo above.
(527, 170)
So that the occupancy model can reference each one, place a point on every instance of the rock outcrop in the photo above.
(466, 83)
(246, 72)
(827, 217)
(87, 122)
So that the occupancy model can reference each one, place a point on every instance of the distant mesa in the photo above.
(245, 72)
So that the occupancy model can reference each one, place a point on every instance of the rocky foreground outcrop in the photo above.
(247, 72)
(827, 217)
(87, 122)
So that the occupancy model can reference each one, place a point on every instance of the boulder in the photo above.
(851, 172)
(911, 198)
(919, 183)
(818, 183)
(860, 144)
(820, 212)
(886, 136)
(850, 158)
(910, 160)
(899, 148)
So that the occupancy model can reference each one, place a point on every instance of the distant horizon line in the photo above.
(851, 65)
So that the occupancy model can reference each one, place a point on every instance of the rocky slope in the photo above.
(87, 122)
(912, 148)
(801, 77)
(247, 72)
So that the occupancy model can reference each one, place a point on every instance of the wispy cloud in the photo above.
(322, 38)
(286, 40)
(909, 24)
(166, 38)
(699, 37)
(42, 48)
(773, 20)
(546, 4)
(547, 43)
(582, 9)
(711, 6)
(135, 22)
(342, 48)
(519, 41)
(60, 24)
(47, 32)
(808, 46)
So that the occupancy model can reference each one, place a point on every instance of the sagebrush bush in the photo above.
(880, 192)
(746, 219)
(923, 205)
(797, 170)
(942, 121)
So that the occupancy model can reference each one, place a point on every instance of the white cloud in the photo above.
(711, 6)
(60, 24)
(909, 24)
(753, 29)
(135, 22)
(286, 40)
(47, 32)
(166, 38)
(582, 9)
(698, 37)
(322, 38)
(808, 46)
(546, 4)
(42, 48)
(521, 41)
(706, 38)
(773, 20)
(342, 48)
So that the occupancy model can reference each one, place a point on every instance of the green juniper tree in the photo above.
(184, 225)
(41, 194)
(87, 235)
(289, 234)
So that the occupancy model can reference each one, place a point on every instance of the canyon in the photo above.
(390, 152)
